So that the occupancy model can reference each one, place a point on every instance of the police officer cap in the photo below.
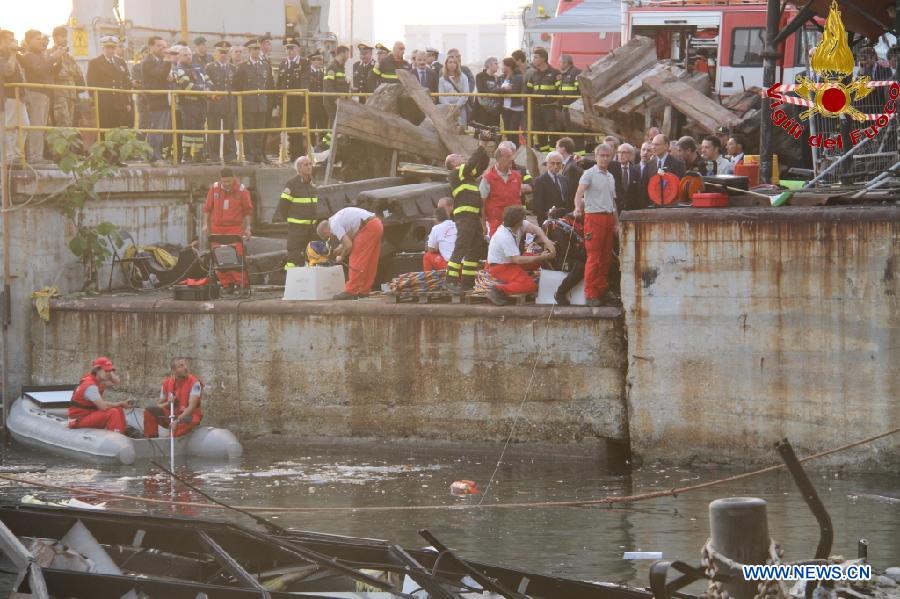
(199, 40)
(109, 40)
(381, 47)
(222, 46)
(364, 47)
(266, 38)
(316, 56)
(431, 50)
(290, 41)
(251, 44)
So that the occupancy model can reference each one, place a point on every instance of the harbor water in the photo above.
(575, 542)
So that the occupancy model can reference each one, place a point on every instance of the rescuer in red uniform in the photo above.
(88, 409)
(226, 215)
(501, 186)
(184, 390)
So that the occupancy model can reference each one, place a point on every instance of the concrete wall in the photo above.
(749, 325)
(368, 369)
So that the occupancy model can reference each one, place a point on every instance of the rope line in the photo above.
(605, 501)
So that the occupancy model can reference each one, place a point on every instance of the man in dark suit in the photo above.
(571, 171)
(108, 70)
(427, 78)
(254, 74)
(628, 196)
(220, 109)
(156, 75)
(551, 189)
(663, 159)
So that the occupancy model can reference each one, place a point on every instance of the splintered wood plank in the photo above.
(616, 68)
(446, 129)
(627, 91)
(362, 122)
(708, 114)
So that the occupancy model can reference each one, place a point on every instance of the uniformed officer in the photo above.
(294, 74)
(390, 63)
(433, 63)
(318, 117)
(110, 71)
(336, 81)
(298, 206)
(254, 74)
(569, 86)
(63, 109)
(201, 55)
(543, 80)
(190, 76)
(362, 71)
(265, 53)
(220, 108)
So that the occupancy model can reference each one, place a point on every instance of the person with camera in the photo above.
(467, 213)
(11, 72)
(41, 68)
(88, 409)
(63, 111)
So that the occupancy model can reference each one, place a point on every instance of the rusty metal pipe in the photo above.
(826, 530)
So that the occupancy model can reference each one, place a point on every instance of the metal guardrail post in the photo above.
(283, 135)
(20, 136)
(309, 145)
(97, 113)
(174, 110)
(240, 122)
(528, 141)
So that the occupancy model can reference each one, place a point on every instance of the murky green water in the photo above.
(585, 543)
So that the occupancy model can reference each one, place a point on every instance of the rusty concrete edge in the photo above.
(787, 214)
(330, 308)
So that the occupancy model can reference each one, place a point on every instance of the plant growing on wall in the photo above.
(91, 243)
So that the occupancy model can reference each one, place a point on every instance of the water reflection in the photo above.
(582, 543)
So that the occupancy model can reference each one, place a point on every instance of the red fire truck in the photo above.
(725, 38)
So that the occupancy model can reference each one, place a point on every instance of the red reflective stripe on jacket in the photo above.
(79, 405)
(182, 390)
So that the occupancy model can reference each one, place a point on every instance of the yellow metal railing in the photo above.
(239, 131)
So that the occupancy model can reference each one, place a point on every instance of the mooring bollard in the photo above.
(739, 531)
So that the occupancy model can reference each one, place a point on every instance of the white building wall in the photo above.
(475, 42)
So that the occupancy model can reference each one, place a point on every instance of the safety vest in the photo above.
(544, 83)
(387, 70)
(503, 193)
(299, 203)
(336, 78)
(182, 390)
(226, 215)
(80, 406)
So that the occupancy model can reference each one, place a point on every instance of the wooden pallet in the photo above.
(424, 297)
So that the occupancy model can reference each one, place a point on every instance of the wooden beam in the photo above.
(362, 122)
(386, 98)
(456, 144)
(615, 69)
(707, 113)
(629, 90)
(592, 122)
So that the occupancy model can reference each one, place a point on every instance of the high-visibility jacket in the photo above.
(503, 194)
(299, 202)
(544, 83)
(182, 388)
(568, 85)
(386, 71)
(464, 183)
(79, 405)
(336, 78)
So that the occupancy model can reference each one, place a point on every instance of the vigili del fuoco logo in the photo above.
(829, 94)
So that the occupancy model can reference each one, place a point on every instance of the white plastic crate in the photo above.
(313, 282)
(550, 282)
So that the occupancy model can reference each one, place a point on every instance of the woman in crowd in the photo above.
(513, 108)
(453, 81)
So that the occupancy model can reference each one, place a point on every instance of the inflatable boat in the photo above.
(38, 418)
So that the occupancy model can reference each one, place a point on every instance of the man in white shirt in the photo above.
(734, 147)
(359, 232)
(505, 259)
(595, 200)
(441, 239)
(711, 152)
